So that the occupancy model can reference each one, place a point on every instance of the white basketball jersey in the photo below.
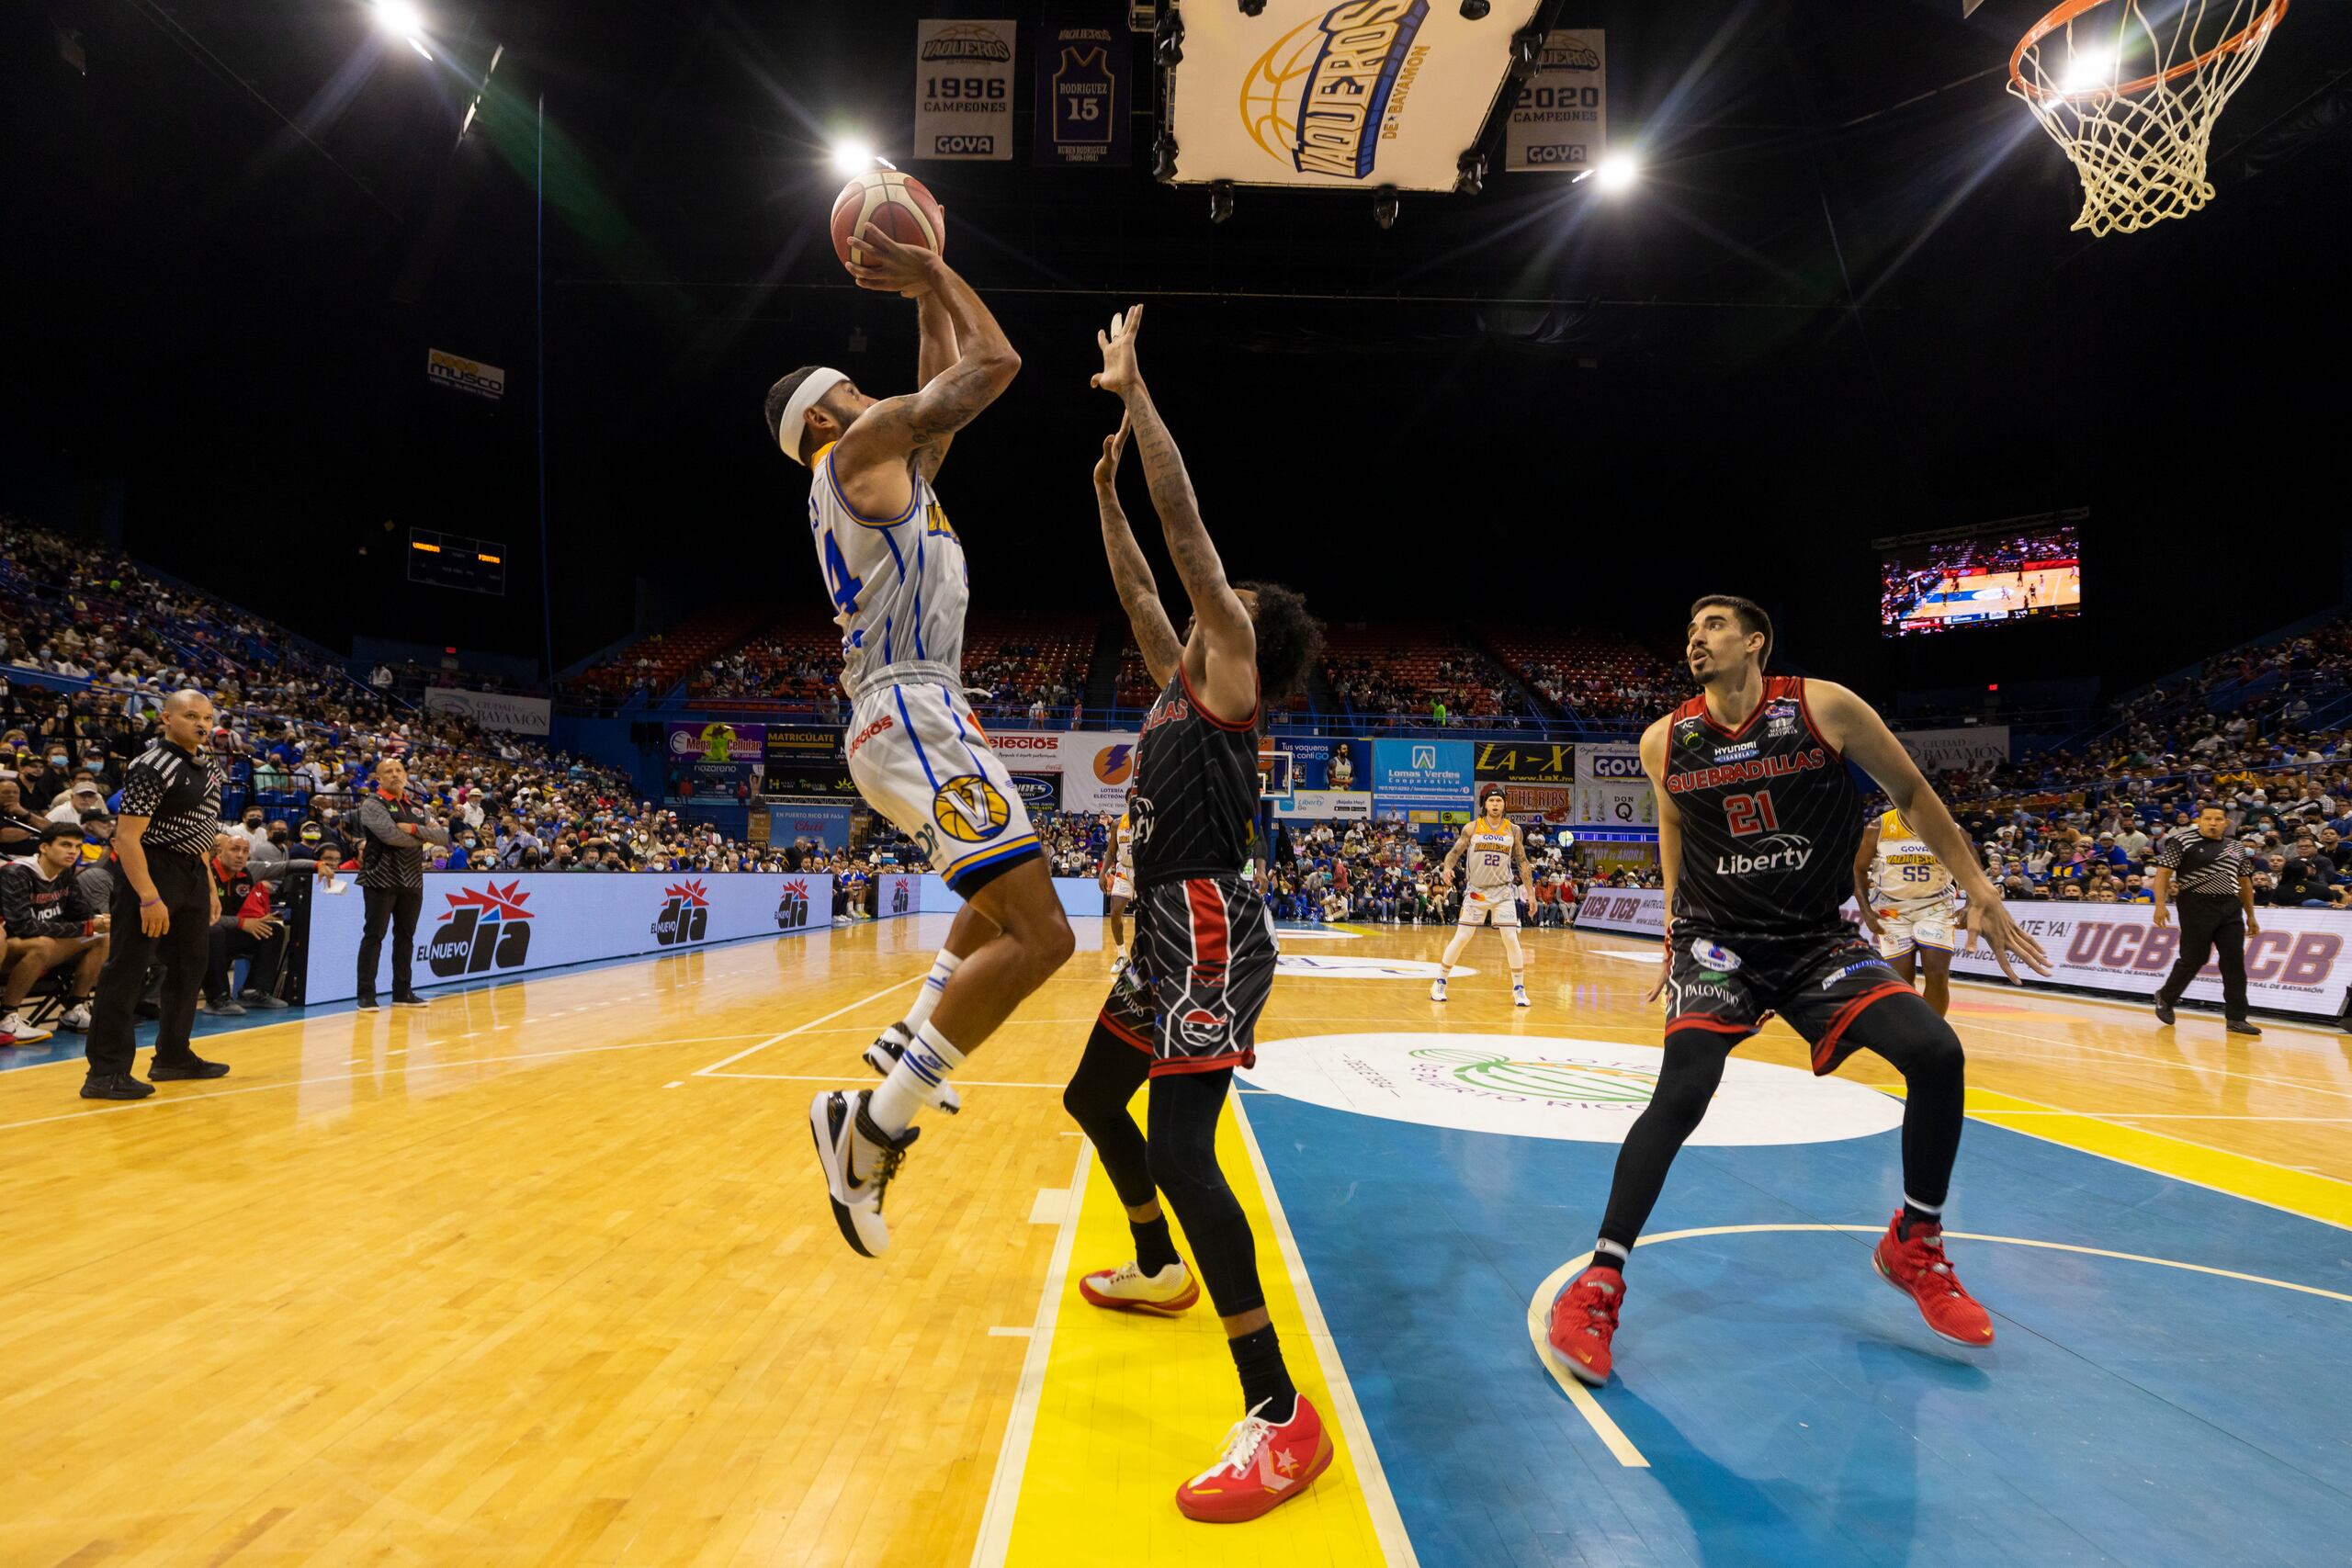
(1125, 857)
(898, 584)
(1489, 861)
(1903, 871)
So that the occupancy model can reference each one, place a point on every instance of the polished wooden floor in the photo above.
(543, 1274)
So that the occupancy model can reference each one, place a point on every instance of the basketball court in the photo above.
(1990, 595)
(543, 1275)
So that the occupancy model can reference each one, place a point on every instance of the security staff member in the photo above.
(391, 835)
(2216, 911)
(164, 904)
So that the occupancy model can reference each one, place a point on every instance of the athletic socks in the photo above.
(1258, 1356)
(1155, 1248)
(1917, 1213)
(1608, 1255)
(933, 985)
(915, 1081)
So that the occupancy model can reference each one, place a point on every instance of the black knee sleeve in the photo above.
(1686, 1082)
(1184, 1110)
(1107, 1078)
(1923, 1048)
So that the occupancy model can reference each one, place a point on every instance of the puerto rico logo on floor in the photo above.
(685, 917)
(1535, 1086)
(484, 928)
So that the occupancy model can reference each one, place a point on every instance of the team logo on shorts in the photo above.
(1713, 955)
(970, 809)
(1202, 1029)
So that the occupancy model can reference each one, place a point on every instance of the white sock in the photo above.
(1608, 1255)
(933, 985)
(914, 1082)
(1518, 979)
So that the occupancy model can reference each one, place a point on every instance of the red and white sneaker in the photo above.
(1583, 1320)
(1129, 1289)
(1918, 1268)
(1263, 1465)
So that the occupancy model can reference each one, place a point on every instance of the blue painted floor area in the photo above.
(1794, 1409)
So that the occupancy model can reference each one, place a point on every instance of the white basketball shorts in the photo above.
(1929, 926)
(1121, 888)
(1481, 905)
(919, 758)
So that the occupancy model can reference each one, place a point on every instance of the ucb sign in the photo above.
(486, 928)
(685, 917)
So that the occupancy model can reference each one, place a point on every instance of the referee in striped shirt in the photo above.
(163, 906)
(2206, 868)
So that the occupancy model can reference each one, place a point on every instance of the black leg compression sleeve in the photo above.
(1923, 1048)
(1184, 1108)
(1107, 1078)
(1694, 1065)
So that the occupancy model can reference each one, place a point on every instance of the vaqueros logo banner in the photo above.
(1423, 775)
(478, 928)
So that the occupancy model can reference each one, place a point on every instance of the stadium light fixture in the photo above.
(852, 157)
(1617, 173)
(2088, 68)
(403, 19)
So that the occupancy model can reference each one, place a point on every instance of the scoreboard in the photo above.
(453, 560)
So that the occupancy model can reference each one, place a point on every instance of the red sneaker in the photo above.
(1583, 1320)
(1263, 1465)
(1918, 1268)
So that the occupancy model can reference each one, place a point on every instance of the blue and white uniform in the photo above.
(900, 590)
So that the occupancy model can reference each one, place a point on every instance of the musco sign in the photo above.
(484, 929)
(686, 917)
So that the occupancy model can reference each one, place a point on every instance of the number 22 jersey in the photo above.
(1770, 819)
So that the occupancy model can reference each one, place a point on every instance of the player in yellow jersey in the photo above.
(1496, 856)
(1905, 896)
(1118, 880)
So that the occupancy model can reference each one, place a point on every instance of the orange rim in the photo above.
(2260, 25)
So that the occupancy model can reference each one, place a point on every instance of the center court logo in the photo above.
(484, 929)
(1542, 1087)
(1323, 96)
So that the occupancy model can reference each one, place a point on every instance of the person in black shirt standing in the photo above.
(392, 835)
(2206, 868)
(164, 904)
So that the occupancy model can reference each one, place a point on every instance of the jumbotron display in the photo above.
(2024, 569)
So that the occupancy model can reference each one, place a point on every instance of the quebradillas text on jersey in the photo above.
(1770, 819)
(899, 584)
(1196, 789)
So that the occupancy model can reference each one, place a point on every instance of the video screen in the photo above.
(2028, 569)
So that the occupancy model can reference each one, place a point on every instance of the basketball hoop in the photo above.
(2130, 90)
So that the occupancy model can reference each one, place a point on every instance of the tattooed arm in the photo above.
(1138, 590)
(871, 461)
(1223, 661)
(933, 358)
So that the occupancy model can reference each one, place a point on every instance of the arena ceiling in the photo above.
(1843, 302)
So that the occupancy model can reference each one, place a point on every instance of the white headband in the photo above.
(789, 430)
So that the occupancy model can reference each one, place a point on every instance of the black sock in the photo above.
(1155, 1248)
(1912, 1217)
(1604, 1259)
(1258, 1356)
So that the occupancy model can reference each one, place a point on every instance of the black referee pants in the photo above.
(185, 951)
(2207, 922)
(397, 908)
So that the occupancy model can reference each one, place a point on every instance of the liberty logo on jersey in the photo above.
(484, 929)
(1773, 852)
(969, 808)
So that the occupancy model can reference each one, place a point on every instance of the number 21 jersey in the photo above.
(1770, 819)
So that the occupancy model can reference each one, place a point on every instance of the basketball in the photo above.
(896, 203)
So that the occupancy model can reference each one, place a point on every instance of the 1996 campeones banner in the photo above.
(2300, 963)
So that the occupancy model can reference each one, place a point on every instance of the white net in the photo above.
(2130, 90)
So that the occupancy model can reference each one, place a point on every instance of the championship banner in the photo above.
(1559, 117)
(1082, 87)
(461, 374)
(491, 710)
(1612, 791)
(1422, 775)
(1942, 751)
(964, 90)
(488, 926)
(1361, 93)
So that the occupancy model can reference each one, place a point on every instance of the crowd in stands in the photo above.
(1383, 874)
(1459, 688)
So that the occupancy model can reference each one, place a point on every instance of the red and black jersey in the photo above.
(1196, 790)
(1770, 819)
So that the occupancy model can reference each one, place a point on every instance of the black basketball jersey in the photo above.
(1770, 819)
(1196, 790)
